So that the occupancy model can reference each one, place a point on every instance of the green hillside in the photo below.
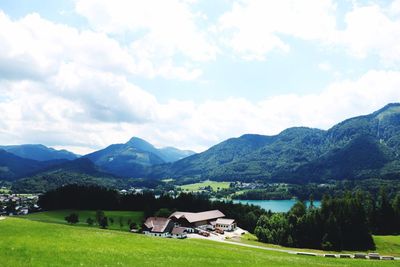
(80, 171)
(117, 216)
(385, 245)
(30, 243)
(363, 147)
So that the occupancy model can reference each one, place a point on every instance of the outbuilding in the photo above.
(225, 224)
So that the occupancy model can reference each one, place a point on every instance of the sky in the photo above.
(84, 74)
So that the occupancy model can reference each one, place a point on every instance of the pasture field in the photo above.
(32, 243)
(388, 244)
(385, 245)
(4, 190)
(197, 186)
(59, 215)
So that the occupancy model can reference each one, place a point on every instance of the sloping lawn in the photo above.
(385, 245)
(59, 215)
(31, 243)
(388, 244)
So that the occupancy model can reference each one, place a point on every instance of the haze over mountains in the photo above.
(358, 148)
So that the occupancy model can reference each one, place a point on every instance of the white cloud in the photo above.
(34, 48)
(371, 30)
(253, 28)
(163, 32)
(73, 88)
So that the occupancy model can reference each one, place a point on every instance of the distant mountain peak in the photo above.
(135, 139)
(139, 143)
(134, 157)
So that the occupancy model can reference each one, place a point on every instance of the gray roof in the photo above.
(197, 216)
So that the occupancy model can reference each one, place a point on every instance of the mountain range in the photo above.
(34, 167)
(358, 148)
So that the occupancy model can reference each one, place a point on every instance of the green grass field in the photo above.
(4, 190)
(196, 187)
(59, 215)
(31, 243)
(389, 244)
(385, 245)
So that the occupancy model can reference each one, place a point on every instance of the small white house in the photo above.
(225, 224)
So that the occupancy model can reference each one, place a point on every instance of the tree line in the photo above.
(341, 223)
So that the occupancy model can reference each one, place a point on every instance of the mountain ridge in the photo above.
(39, 152)
(285, 156)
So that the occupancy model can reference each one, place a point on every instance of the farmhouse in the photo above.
(157, 226)
(225, 224)
(195, 219)
(180, 223)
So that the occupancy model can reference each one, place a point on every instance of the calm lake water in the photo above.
(274, 205)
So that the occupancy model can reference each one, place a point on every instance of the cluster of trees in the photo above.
(79, 197)
(100, 219)
(339, 188)
(342, 223)
(303, 191)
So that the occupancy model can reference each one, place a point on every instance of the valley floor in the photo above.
(32, 243)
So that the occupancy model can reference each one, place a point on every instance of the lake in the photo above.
(274, 205)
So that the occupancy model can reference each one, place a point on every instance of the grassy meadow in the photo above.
(197, 186)
(32, 243)
(59, 215)
(4, 190)
(389, 244)
(385, 245)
